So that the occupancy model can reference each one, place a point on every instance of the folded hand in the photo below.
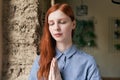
(54, 73)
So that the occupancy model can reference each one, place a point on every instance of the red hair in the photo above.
(47, 43)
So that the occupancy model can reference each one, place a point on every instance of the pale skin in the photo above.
(60, 27)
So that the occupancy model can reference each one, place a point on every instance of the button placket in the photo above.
(64, 62)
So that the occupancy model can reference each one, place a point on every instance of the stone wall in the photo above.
(20, 21)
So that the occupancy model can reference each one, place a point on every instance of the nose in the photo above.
(57, 27)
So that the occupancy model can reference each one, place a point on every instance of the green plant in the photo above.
(117, 46)
(84, 33)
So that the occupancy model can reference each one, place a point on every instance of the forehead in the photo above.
(57, 15)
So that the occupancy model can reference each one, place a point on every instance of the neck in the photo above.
(63, 46)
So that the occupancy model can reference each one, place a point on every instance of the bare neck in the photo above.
(63, 46)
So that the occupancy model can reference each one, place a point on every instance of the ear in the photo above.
(74, 24)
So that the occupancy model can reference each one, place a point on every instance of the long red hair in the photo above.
(47, 43)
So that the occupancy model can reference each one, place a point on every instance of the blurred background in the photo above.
(21, 23)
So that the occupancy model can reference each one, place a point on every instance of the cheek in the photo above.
(68, 30)
(50, 30)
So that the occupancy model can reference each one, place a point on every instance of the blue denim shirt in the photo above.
(73, 64)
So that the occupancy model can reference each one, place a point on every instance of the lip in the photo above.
(58, 34)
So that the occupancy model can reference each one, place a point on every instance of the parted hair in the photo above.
(47, 43)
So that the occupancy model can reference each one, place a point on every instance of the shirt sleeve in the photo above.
(93, 71)
(34, 69)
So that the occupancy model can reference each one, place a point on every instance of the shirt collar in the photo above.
(68, 53)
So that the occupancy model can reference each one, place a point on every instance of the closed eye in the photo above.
(62, 22)
(51, 23)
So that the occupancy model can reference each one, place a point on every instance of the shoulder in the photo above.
(90, 65)
(37, 58)
(87, 60)
(35, 65)
(36, 62)
(85, 57)
(34, 69)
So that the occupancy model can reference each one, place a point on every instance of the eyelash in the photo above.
(50, 24)
(60, 22)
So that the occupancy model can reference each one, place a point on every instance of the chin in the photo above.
(59, 40)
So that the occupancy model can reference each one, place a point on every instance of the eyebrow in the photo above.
(50, 20)
(58, 19)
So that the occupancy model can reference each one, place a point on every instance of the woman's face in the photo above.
(60, 26)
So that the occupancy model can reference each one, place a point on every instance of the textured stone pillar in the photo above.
(20, 21)
(0, 38)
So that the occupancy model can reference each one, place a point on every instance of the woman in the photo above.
(59, 59)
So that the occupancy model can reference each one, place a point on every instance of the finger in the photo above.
(55, 64)
(50, 77)
(53, 69)
(56, 70)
